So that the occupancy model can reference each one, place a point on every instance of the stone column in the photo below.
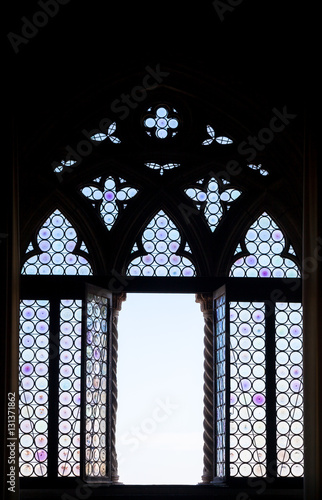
(118, 298)
(206, 306)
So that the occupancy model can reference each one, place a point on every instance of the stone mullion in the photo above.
(206, 306)
(116, 307)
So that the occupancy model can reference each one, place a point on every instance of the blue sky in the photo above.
(160, 390)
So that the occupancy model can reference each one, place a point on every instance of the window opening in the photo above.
(160, 390)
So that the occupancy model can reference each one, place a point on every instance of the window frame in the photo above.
(246, 289)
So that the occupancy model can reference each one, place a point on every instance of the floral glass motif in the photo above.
(69, 417)
(258, 168)
(208, 198)
(222, 139)
(99, 136)
(163, 122)
(247, 389)
(96, 372)
(33, 390)
(109, 195)
(161, 240)
(58, 249)
(265, 243)
(69, 165)
(162, 168)
(289, 389)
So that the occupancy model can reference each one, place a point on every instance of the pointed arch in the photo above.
(164, 256)
(57, 249)
(264, 252)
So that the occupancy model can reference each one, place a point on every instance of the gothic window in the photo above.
(161, 206)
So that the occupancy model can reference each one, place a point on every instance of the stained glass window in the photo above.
(289, 389)
(69, 388)
(58, 249)
(221, 139)
(256, 407)
(33, 390)
(248, 391)
(268, 255)
(161, 240)
(258, 168)
(65, 166)
(163, 121)
(162, 168)
(97, 384)
(220, 390)
(109, 195)
(207, 197)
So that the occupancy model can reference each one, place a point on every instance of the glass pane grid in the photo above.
(265, 243)
(33, 390)
(247, 390)
(164, 123)
(289, 390)
(221, 386)
(109, 199)
(57, 240)
(213, 201)
(69, 388)
(161, 240)
(96, 386)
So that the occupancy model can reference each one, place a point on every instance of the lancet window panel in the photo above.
(57, 250)
(165, 254)
(69, 406)
(247, 389)
(289, 385)
(33, 387)
(264, 360)
(265, 252)
(97, 362)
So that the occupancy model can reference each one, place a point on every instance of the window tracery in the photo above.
(268, 253)
(58, 249)
(161, 250)
(109, 195)
(165, 256)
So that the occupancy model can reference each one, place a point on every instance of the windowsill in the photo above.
(77, 489)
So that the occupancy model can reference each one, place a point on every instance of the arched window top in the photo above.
(57, 249)
(161, 241)
(267, 254)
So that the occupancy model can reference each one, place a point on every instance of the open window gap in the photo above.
(160, 390)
